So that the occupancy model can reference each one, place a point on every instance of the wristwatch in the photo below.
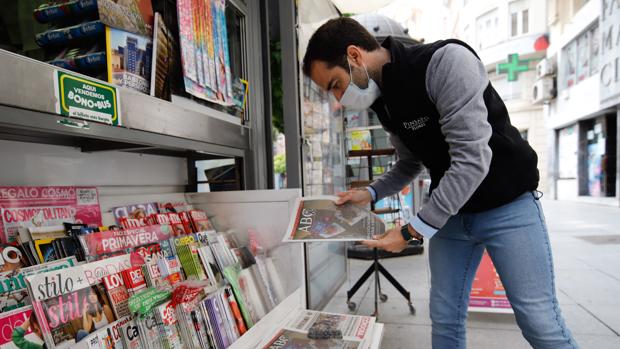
(404, 231)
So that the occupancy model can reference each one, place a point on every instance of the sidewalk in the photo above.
(586, 246)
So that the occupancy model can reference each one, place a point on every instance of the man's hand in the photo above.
(355, 196)
(392, 240)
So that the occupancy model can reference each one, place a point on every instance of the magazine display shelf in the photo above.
(266, 212)
(28, 113)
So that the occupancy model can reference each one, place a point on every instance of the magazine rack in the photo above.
(266, 212)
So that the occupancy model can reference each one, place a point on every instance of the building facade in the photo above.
(510, 37)
(583, 119)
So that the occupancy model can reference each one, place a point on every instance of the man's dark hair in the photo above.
(329, 43)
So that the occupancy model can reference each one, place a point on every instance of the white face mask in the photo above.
(356, 98)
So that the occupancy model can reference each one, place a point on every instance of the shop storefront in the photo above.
(584, 117)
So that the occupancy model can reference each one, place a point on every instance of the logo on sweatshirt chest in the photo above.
(416, 124)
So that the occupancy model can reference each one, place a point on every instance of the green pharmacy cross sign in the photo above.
(513, 66)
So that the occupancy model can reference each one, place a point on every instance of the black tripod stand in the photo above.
(376, 267)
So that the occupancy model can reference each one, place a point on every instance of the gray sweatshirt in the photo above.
(455, 81)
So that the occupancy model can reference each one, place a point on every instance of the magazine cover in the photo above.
(214, 274)
(45, 250)
(187, 222)
(197, 28)
(190, 260)
(71, 303)
(176, 207)
(163, 57)
(177, 224)
(130, 335)
(13, 287)
(117, 293)
(210, 51)
(134, 280)
(200, 221)
(119, 240)
(129, 59)
(241, 90)
(355, 331)
(247, 298)
(360, 140)
(135, 16)
(136, 211)
(225, 52)
(318, 218)
(19, 329)
(148, 331)
(71, 317)
(11, 258)
(46, 284)
(186, 37)
(170, 269)
(42, 206)
(220, 69)
(115, 332)
(169, 326)
(210, 309)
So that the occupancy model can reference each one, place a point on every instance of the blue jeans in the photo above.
(515, 236)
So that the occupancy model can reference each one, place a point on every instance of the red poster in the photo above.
(487, 291)
(46, 206)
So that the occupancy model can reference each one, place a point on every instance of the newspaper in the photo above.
(356, 331)
(318, 218)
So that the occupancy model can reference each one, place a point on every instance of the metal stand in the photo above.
(376, 267)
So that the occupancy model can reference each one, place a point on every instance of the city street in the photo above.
(585, 240)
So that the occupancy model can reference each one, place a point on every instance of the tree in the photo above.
(279, 164)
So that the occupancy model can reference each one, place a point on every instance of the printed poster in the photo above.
(205, 54)
(46, 206)
(487, 291)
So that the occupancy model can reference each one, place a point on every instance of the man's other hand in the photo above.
(355, 196)
(391, 241)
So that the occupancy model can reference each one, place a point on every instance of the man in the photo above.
(441, 112)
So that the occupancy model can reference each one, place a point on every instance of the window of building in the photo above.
(487, 29)
(594, 49)
(583, 56)
(519, 17)
(569, 65)
(580, 58)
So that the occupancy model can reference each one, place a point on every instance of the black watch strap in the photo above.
(404, 231)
